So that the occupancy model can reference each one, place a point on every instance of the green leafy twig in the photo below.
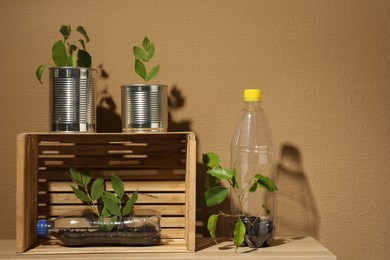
(216, 193)
(115, 206)
(82, 179)
(64, 51)
(145, 54)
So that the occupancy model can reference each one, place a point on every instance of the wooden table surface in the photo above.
(282, 249)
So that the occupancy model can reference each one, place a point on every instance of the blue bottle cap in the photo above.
(42, 228)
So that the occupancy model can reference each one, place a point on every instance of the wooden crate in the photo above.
(158, 164)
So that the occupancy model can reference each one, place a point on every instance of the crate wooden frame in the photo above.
(161, 165)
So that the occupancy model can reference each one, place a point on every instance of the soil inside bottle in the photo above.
(259, 232)
(145, 235)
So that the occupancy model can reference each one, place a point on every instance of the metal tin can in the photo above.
(72, 99)
(144, 108)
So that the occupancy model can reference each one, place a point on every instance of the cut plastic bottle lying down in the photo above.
(82, 227)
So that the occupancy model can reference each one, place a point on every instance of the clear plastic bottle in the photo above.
(82, 227)
(252, 152)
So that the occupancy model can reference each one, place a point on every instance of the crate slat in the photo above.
(113, 163)
(143, 198)
(130, 186)
(176, 149)
(140, 139)
(139, 174)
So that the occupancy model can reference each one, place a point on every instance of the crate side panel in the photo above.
(26, 192)
(191, 192)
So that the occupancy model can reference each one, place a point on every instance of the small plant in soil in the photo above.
(70, 51)
(142, 55)
(115, 205)
(246, 227)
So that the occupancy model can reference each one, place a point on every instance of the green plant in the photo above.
(145, 54)
(216, 193)
(64, 51)
(114, 204)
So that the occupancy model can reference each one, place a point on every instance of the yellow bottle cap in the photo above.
(252, 95)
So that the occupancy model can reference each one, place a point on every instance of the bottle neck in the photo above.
(252, 105)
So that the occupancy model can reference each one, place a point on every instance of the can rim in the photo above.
(144, 87)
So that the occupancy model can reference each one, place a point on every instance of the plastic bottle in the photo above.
(82, 227)
(252, 152)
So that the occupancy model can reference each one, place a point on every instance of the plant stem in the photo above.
(239, 199)
(93, 206)
(229, 215)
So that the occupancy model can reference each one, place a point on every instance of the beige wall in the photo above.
(323, 67)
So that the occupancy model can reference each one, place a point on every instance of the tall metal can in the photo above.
(72, 99)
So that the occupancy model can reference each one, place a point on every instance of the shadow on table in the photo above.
(227, 244)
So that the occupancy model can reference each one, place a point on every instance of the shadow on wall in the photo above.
(176, 101)
(107, 119)
(203, 212)
(297, 213)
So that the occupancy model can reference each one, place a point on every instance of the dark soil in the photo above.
(259, 233)
(145, 236)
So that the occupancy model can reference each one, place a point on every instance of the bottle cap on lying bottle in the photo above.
(42, 225)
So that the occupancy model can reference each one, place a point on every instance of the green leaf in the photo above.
(72, 61)
(59, 54)
(221, 173)
(97, 189)
(212, 226)
(233, 172)
(146, 43)
(215, 195)
(153, 73)
(130, 203)
(39, 72)
(107, 223)
(139, 53)
(210, 181)
(86, 177)
(105, 213)
(80, 194)
(65, 30)
(253, 188)
(84, 59)
(102, 225)
(117, 185)
(239, 233)
(150, 52)
(139, 68)
(211, 159)
(111, 203)
(112, 223)
(266, 183)
(75, 175)
(235, 183)
(81, 30)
